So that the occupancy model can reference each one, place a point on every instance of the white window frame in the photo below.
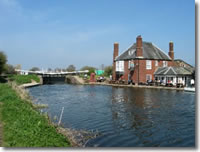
(120, 66)
(148, 64)
(117, 66)
(165, 63)
(156, 63)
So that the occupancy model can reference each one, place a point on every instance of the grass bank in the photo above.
(23, 126)
(22, 79)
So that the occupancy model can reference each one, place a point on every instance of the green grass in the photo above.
(23, 126)
(22, 79)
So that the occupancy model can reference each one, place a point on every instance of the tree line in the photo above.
(10, 69)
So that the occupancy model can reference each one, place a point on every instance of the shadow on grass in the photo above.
(3, 79)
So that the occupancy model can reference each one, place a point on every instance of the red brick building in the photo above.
(139, 63)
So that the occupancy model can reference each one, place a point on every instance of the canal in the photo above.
(125, 117)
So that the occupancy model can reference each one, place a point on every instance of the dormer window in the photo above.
(130, 52)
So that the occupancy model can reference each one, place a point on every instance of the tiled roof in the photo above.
(186, 65)
(150, 51)
(172, 71)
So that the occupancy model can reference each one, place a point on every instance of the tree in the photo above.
(108, 71)
(18, 67)
(35, 69)
(57, 69)
(10, 69)
(3, 60)
(64, 70)
(71, 68)
(89, 68)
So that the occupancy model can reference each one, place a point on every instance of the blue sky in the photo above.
(50, 33)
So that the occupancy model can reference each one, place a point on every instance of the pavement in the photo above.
(27, 85)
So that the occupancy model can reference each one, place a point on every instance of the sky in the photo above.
(51, 34)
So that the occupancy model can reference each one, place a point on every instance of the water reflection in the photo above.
(142, 110)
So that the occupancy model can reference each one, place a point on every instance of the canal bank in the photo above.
(80, 81)
(73, 137)
(134, 86)
(23, 125)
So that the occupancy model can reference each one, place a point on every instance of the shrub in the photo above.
(22, 79)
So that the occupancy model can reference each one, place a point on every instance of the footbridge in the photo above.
(49, 74)
(52, 77)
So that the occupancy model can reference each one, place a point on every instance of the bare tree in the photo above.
(49, 69)
(71, 68)
(57, 69)
(35, 69)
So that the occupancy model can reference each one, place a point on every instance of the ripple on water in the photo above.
(125, 117)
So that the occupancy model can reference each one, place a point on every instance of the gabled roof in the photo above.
(150, 51)
(179, 60)
(172, 71)
(188, 66)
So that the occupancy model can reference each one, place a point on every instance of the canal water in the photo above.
(125, 117)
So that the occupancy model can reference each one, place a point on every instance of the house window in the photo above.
(148, 64)
(165, 63)
(148, 77)
(120, 66)
(117, 66)
(156, 63)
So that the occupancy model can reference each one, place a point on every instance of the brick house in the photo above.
(140, 61)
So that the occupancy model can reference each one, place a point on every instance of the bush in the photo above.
(108, 71)
(22, 79)
(3, 60)
(90, 69)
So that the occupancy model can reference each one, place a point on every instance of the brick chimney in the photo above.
(116, 50)
(139, 49)
(115, 54)
(171, 50)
